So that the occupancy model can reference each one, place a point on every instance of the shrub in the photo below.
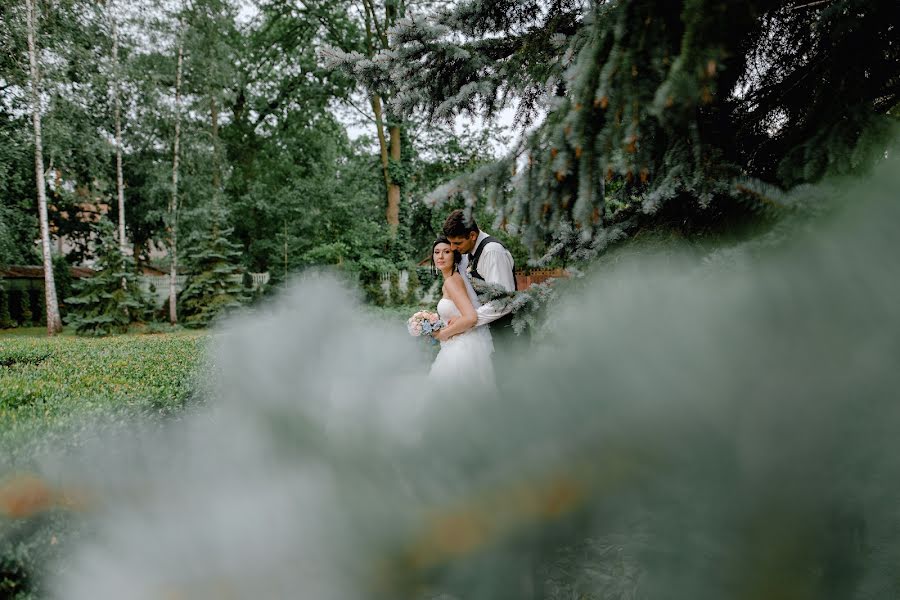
(5, 318)
(27, 315)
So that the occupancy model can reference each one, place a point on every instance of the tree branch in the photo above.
(370, 7)
(808, 4)
(359, 110)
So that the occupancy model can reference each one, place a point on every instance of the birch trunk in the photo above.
(117, 111)
(217, 162)
(54, 323)
(173, 203)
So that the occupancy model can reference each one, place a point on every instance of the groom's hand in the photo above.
(441, 334)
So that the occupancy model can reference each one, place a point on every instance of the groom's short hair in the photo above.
(457, 225)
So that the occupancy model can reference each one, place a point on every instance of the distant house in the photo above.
(23, 293)
(29, 277)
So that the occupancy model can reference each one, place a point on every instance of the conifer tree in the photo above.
(102, 304)
(214, 274)
(687, 105)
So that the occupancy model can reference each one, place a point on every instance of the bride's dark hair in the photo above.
(456, 255)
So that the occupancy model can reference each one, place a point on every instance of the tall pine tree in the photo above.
(214, 273)
(686, 105)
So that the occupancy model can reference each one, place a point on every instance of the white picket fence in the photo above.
(428, 295)
(160, 284)
(259, 279)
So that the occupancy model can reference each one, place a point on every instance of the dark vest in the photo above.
(501, 329)
(476, 256)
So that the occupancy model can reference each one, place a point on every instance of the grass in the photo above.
(55, 394)
(45, 383)
(31, 332)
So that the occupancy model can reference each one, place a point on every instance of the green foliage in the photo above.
(57, 393)
(39, 312)
(649, 104)
(372, 288)
(413, 287)
(394, 293)
(426, 278)
(18, 222)
(62, 278)
(5, 318)
(14, 302)
(528, 307)
(112, 299)
(27, 314)
(214, 275)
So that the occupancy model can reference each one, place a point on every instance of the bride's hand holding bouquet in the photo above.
(424, 324)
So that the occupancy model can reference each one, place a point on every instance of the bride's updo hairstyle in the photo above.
(456, 255)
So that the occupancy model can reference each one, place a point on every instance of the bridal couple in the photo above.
(461, 253)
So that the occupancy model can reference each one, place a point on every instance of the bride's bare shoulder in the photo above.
(454, 282)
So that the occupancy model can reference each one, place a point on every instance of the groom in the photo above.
(485, 258)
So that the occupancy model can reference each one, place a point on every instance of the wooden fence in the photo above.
(525, 279)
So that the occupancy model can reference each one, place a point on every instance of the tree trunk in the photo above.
(137, 250)
(392, 189)
(217, 163)
(54, 323)
(384, 153)
(393, 192)
(173, 203)
(117, 101)
(117, 113)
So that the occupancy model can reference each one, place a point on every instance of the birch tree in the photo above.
(54, 322)
(117, 116)
(173, 203)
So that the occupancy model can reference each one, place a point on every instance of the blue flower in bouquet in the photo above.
(424, 324)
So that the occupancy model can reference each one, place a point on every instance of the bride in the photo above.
(465, 353)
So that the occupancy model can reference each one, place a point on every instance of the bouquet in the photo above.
(424, 323)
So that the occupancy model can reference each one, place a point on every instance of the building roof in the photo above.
(37, 272)
(151, 270)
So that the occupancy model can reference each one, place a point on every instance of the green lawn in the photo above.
(55, 394)
(46, 384)
(30, 332)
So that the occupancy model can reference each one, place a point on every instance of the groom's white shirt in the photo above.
(496, 266)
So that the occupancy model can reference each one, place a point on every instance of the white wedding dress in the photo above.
(465, 358)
